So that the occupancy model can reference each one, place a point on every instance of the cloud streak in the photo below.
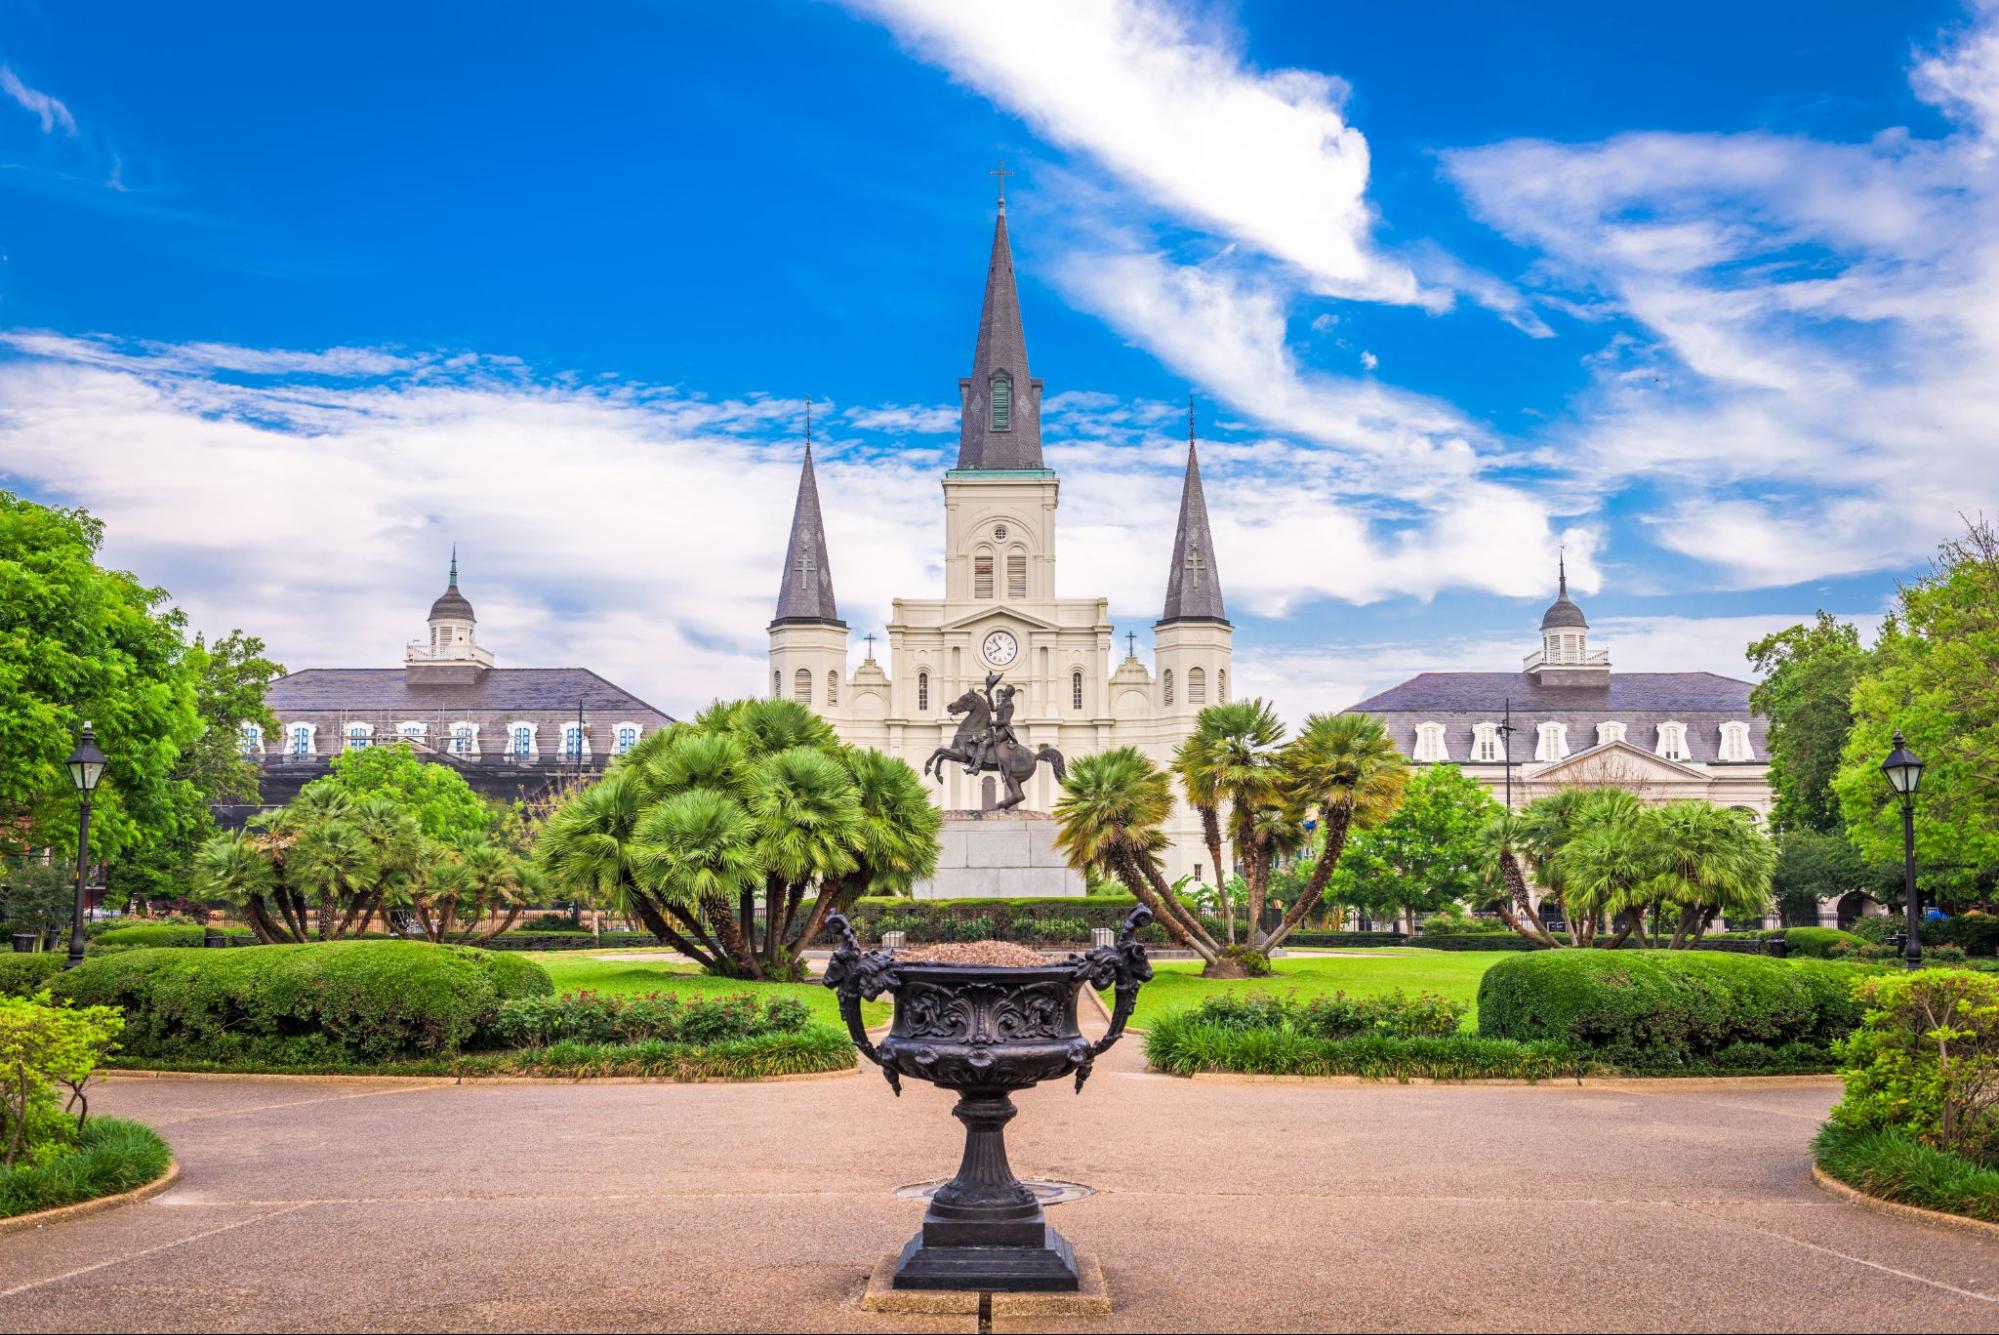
(48, 110)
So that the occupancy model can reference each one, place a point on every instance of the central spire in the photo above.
(806, 593)
(1193, 585)
(999, 401)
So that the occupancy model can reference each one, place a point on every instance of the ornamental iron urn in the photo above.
(984, 1031)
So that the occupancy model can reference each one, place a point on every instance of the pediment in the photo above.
(999, 613)
(1618, 763)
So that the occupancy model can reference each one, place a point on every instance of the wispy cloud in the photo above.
(48, 110)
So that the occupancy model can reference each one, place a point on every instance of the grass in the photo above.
(1897, 1167)
(623, 977)
(1453, 974)
(114, 1156)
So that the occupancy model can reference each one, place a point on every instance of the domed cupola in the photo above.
(448, 654)
(1566, 658)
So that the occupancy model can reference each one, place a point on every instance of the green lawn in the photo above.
(1450, 973)
(575, 971)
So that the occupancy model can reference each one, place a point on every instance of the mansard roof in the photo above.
(1001, 350)
(384, 691)
(806, 593)
(1624, 693)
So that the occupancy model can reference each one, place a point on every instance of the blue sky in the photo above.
(1708, 294)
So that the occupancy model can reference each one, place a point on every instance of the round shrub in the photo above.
(1671, 1010)
(328, 1002)
(25, 975)
(1816, 942)
(152, 934)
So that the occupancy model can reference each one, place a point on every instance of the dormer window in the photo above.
(1551, 741)
(627, 735)
(1430, 746)
(1735, 747)
(1609, 732)
(521, 742)
(1485, 744)
(250, 740)
(359, 735)
(1002, 401)
(465, 739)
(301, 739)
(1673, 741)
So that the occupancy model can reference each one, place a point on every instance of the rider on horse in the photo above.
(999, 732)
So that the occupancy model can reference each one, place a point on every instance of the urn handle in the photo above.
(1121, 965)
(855, 974)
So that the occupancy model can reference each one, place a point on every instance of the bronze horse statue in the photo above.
(978, 748)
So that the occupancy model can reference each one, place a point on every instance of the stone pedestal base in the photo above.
(999, 855)
(1090, 1298)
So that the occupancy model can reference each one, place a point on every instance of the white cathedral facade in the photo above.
(999, 611)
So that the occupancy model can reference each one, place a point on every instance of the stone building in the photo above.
(1567, 719)
(512, 732)
(999, 611)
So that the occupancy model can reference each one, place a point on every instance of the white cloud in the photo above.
(1813, 385)
(905, 419)
(1266, 156)
(48, 110)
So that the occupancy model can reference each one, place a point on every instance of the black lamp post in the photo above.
(86, 767)
(1904, 769)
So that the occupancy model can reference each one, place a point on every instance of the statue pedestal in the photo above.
(999, 855)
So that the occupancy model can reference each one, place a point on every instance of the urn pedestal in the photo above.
(985, 1031)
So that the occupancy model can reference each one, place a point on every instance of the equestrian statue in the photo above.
(985, 741)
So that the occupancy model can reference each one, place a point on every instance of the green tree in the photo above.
(443, 805)
(1809, 672)
(1429, 855)
(1347, 767)
(1230, 759)
(81, 643)
(230, 679)
(1814, 867)
(1934, 675)
(1713, 862)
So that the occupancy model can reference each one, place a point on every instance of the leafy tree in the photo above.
(81, 643)
(1814, 867)
(1428, 856)
(40, 895)
(458, 889)
(230, 679)
(1809, 675)
(754, 804)
(436, 797)
(1934, 674)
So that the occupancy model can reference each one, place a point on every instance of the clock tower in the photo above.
(1000, 612)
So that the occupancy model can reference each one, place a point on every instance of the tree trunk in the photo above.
(655, 920)
(1130, 870)
(1688, 916)
(734, 943)
(1523, 919)
(1188, 918)
(1211, 834)
(506, 924)
(1335, 820)
(823, 904)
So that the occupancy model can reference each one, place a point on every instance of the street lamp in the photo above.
(86, 767)
(1904, 769)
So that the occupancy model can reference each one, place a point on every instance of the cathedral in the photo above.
(1000, 613)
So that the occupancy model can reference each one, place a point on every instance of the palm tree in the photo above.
(894, 842)
(697, 850)
(808, 817)
(1607, 867)
(233, 866)
(1231, 757)
(332, 864)
(1348, 767)
(1507, 837)
(1713, 862)
(1111, 819)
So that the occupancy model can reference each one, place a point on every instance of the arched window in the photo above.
(982, 575)
(1430, 746)
(1673, 741)
(358, 736)
(301, 743)
(1197, 686)
(1485, 747)
(1551, 741)
(801, 686)
(1166, 682)
(1609, 731)
(1075, 690)
(833, 687)
(250, 740)
(1735, 747)
(575, 744)
(1222, 685)
(464, 739)
(1002, 401)
(776, 685)
(923, 692)
(627, 735)
(1016, 574)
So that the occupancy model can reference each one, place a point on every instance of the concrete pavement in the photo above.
(355, 1205)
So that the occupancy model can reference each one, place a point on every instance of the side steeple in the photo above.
(806, 593)
(1193, 584)
(1000, 404)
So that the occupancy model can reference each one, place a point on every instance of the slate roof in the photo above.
(384, 691)
(1639, 700)
(1002, 346)
(806, 593)
(1193, 581)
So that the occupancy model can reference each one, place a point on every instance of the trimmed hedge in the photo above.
(1350, 939)
(1054, 920)
(143, 935)
(1816, 942)
(25, 975)
(518, 940)
(1978, 933)
(1657, 1010)
(337, 1001)
(1179, 1047)
(111, 1156)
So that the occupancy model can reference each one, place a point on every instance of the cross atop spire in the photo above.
(1000, 401)
(1002, 173)
(1193, 585)
(806, 593)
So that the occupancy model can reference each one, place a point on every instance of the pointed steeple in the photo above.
(1563, 614)
(451, 605)
(1193, 584)
(807, 591)
(1000, 402)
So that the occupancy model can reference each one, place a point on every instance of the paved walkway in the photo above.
(353, 1205)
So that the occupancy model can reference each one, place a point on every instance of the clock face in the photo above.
(1000, 648)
